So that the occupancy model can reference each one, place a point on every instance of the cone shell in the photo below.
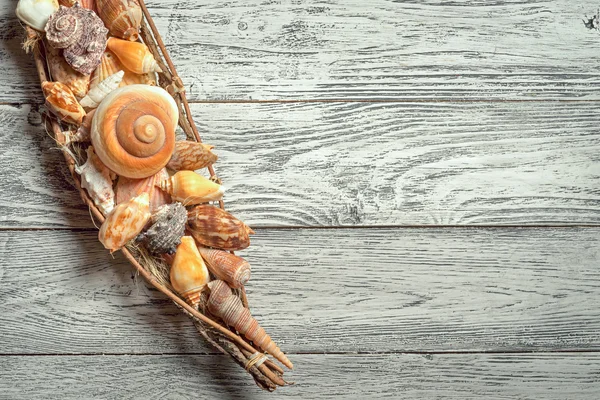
(61, 71)
(168, 226)
(134, 56)
(133, 130)
(225, 305)
(189, 274)
(226, 266)
(125, 222)
(110, 64)
(214, 227)
(190, 188)
(122, 17)
(191, 156)
(35, 13)
(97, 180)
(61, 100)
(128, 188)
(100, 91)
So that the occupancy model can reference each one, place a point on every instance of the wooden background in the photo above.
(423, 177)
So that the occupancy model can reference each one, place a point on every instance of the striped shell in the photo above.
(226, 266)
(214, 227)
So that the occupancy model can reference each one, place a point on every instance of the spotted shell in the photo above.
(62, 102)
(191, 156)
(168, 226)
(214, 227)
(125, 222)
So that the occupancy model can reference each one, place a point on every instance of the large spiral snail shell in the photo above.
(133, 130)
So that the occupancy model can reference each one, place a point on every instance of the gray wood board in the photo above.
(320, 290)
(346, 49)
(384, 376)
(330, 164)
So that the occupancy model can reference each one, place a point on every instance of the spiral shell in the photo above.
(100, 91)
(225, 305)
(191, 156)
(122, 17)
(97, 180)
(168, 226)
(189, 274)
(128, 188)
(125, 222)
(61, 100)
(65, 27)
(190, 188)
(226, 266)
(133, 130)
(214, 227)
(35, 13)
(135, 56)
(61, 71)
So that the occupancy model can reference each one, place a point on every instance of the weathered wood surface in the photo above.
(344, 49)
(321, 290)
(373, 376)
(329, 164)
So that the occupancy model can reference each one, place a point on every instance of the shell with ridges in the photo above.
(125, 222)
(97, 180)
(128, 188)
(122, 17)
(110, 64)
(225, 305)
(61, 71)
(61, 100)
(191, 188)
(168, 226)
(214, 227)
(100, 91)
(226, 266)
(35, 13)
(133, 130)
(191, 156)
(134, 56)
(189, 274)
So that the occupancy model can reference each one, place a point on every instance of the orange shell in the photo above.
(191, 188)
(128, 188)
(62, 102)
(134, 56)
(226, 266)
(189, 274)
(122, 17)
(191, 156)
(62, 72)
(110, 64)
(125, 222)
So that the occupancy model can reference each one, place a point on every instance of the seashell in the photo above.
(61, 71)
(191, 156)
(110, 64)
(81, 33)
(35, 13)
(134, 56)
(97, 180)
(214, 227)
(128, 188)
(168, 226)
(100, 91)
(189, 274)
(133, 130)
(226, 266)
(225, 305)
(190, 188)
(125, 222)
(122, 17)
(61, 100)
(89, 4)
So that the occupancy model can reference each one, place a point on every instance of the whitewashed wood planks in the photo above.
(372, 376)
(344, 49)
(320, 290)
(328, 164)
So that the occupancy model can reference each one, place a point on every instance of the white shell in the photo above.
(101, 90)
(35, 13)
(97, 180)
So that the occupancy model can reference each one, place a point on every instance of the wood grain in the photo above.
(320, 290)
(331, 164)
(373, 376)
(343, 49)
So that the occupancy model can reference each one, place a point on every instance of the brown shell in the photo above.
(62, 102)
(226, 266)
(168, 226)
(225, 305)
(122, 17)
(191, 156)
(214, 227)
(62, 72)
(128, 188)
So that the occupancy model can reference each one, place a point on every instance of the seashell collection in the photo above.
(100, 83)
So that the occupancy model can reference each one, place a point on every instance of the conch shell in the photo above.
(35, 13)
(226, 266)
(125, 222)
(61, 71)
(189, 274)
(225, 305)
(122, 17)
(135, 56)
(110, 64)
(100, 91)
(191, 156)
(133, 130)
(191, 188)
(214, 227)
(168, 226)
(61, 100)
(97, 180)
(128, 188)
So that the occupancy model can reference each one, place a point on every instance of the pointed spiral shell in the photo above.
(133, 130)
(226, 266)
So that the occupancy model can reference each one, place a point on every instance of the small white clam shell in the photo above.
(101, 90)
(35, 13)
